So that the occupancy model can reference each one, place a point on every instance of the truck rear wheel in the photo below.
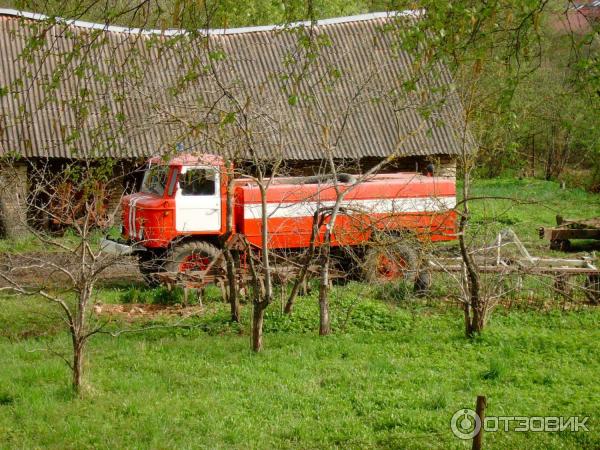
(190, 256)
(390, 262)
(396, 261)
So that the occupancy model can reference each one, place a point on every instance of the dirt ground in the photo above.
(42, 268)
(46, 269)
(136, 311)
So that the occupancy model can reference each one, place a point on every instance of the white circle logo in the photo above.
(465, 424)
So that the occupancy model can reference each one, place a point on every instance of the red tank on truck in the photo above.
(178, 219)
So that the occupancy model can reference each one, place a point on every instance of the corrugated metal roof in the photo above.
(78, 89)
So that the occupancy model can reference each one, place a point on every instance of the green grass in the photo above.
(391, 376)
(49, 243)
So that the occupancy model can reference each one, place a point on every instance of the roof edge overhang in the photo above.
(213, 31)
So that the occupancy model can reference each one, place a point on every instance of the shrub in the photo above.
(163, 296)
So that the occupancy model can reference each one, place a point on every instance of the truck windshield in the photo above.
(155, 179)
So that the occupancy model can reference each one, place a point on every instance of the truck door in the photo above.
(198, 200)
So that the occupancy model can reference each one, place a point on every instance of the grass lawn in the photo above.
(391, 376)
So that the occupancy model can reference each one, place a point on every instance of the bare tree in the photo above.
(473, 56)
(308, 87)
(262, 277)
(68, 272)
(232, 257)
(79, 193)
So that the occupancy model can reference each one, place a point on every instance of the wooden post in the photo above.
(480, 410)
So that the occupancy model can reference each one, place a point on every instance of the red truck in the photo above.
(177, 219)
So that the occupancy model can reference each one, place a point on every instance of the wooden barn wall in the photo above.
(13, 200)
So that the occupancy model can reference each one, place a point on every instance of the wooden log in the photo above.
(562, 234)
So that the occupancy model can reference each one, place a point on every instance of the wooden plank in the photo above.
(555, 234)
(593, 222)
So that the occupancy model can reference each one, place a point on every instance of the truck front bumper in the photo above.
(112, 247)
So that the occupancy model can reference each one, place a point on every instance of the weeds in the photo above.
(395, 292)
(6, 399)
(496, 370)
(160, 295)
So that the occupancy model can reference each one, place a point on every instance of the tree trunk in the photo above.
(301, 279)
(258, 316)
(299, 282)
(289, 305)
(475, 308)
(474, 320)
(78, 346)
(478, 319)
(263, 292)
(233, 294)
(324, 321)
(467, 315)
(233, 291)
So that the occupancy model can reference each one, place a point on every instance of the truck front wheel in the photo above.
(393, 261)
(190, 256)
